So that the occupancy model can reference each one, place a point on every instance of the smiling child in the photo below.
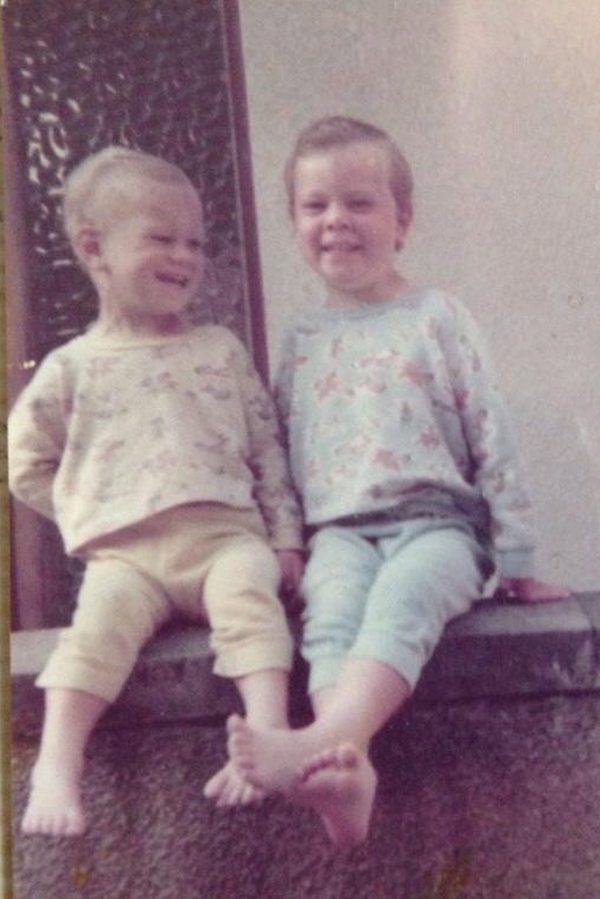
(402, 452)
(155, 448)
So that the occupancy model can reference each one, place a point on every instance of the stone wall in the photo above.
(488, 780)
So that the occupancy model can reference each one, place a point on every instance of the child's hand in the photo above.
(291, 563)
(529, 589)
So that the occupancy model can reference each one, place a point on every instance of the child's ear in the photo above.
(404, 219)
(87, 247)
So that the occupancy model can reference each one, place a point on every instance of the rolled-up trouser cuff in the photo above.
(83, 674)
(259, 655)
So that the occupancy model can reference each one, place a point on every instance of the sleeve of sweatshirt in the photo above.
(273, 488)
(284, 380)
(36, 438)
(497, 466)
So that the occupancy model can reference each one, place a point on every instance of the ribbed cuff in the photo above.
(255, 655)
(516, 563)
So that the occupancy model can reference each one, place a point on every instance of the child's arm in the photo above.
(273, 488)
(291, 563)
(497, 466)
(35, 441)
(284, 380)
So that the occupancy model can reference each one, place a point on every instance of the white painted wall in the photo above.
(496, 104)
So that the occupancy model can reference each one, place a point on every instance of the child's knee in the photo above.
(248, 566)
(242, 604)
(118, 610)
(249, 632)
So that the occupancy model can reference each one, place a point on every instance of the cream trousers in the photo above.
(207, 561)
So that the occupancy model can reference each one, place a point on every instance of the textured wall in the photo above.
(482, 800)
(497, 106)
(152, 75)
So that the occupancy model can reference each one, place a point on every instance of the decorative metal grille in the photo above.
(150, 74)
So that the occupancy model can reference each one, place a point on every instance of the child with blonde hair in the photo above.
(402, 452)
(154, 447)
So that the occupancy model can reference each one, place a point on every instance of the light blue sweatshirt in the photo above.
(393, 410)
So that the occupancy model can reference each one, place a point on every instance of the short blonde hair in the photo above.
(85, 184)
(340, 131)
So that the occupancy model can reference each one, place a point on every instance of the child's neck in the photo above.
(134, 327)
(380, 293)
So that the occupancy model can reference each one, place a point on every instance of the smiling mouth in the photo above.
(340, 248)
(178, 280)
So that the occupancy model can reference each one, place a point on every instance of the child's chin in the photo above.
(174, 302)
(339, 282)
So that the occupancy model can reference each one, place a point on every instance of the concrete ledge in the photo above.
(495, 650)
(507, 650)
(490, 795)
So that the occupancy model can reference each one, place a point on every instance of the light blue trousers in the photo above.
(386, 598)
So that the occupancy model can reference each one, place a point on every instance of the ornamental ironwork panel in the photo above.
(149, 74)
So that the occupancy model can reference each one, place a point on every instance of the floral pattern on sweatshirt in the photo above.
(107, 434)
(388, 404)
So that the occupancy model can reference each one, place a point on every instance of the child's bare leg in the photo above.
(54, 805)
(265, 698)
(366, 695)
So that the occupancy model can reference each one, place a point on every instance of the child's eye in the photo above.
(360, 203)
(161, 238)
(314, 206)
(196, 245)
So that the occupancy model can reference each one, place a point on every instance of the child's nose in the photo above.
(337, 216)
(182, 252)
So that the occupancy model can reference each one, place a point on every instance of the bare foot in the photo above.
(54, 807)
(339, 784)
(270, 759)
(229, 787)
